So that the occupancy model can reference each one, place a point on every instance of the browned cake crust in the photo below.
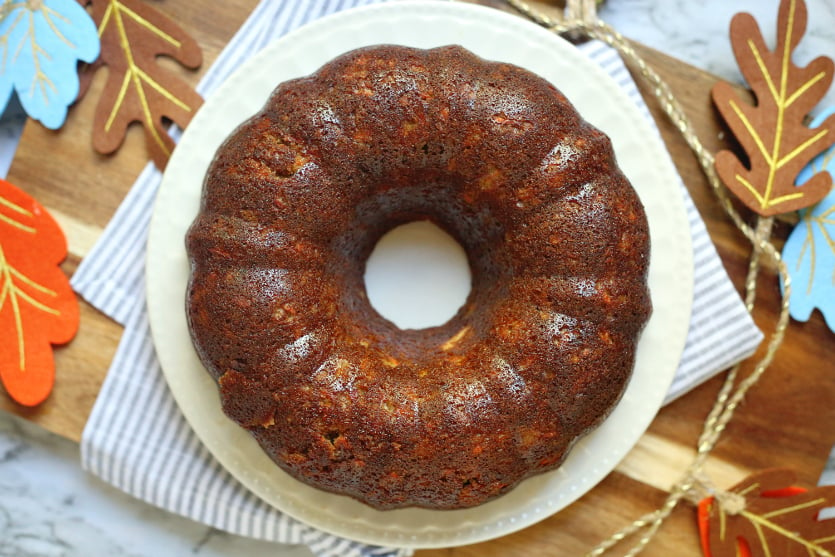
(445, 417)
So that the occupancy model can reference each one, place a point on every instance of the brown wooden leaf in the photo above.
(138, 88)
(772, 132)
(770, 519)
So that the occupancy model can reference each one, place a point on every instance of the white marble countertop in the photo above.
(50, 507)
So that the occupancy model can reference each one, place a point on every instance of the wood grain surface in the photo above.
(787, 419)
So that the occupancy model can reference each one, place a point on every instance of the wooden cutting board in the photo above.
(787, 420)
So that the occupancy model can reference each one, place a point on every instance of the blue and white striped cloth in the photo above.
(137, 439)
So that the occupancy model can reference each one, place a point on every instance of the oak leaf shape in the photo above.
(809, 251)
(138, 88)
(772, 132)
(41, 43)
(37, 306)
(766, 516)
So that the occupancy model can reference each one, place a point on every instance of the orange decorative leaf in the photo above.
(37, 306)
(772, 132)
(138, 88)
(766, 516)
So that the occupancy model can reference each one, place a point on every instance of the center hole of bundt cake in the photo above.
(417, 276)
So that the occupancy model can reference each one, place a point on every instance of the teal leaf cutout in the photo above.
(41, 42)
(809, 252)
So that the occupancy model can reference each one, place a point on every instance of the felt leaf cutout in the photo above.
(772, 132)
(41, 42)
(809, 252)
(766, 516)
(37, 306)
(138, 88)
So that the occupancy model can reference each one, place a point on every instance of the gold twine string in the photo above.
(763, 230)
(580, 17)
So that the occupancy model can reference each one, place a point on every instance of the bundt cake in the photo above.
(444, 417)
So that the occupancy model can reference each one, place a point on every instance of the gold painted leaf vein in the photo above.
(14, 294)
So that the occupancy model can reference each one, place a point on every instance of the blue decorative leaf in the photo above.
(41, 42)
(809, 252)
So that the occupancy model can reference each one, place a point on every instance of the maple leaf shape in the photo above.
(41, 42)
(773, 519)
(37, 306)
(809, 252)
(772, 132)
(138, 89)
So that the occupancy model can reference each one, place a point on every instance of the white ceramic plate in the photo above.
(492, 35)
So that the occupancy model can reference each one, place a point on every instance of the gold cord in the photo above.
(580, 17)
(763, 230)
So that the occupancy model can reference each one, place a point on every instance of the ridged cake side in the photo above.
(445, 417)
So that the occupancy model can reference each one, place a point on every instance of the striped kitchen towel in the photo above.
(828, 478)
(137, 439)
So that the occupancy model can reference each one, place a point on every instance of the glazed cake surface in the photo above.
(450, 416)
